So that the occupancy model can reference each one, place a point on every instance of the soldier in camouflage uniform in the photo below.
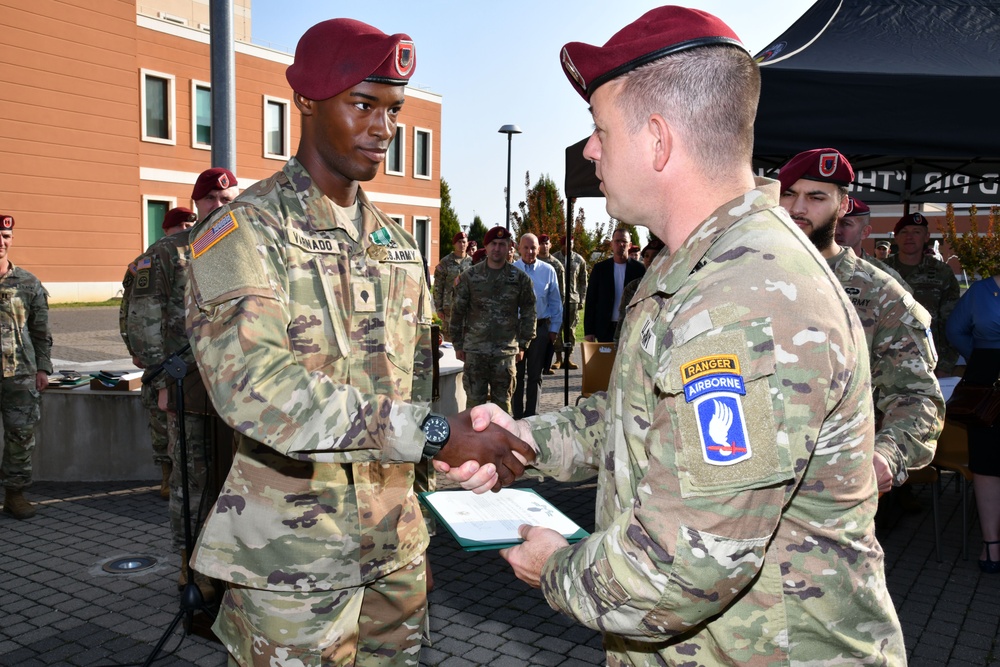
(26, 347)
(545, 254)
(575, 279)
(853, 228)
(733, 449)
(933, 282)
(492, 323)
(897, 328)
(309, 316)
(156, 330)
(445, 277)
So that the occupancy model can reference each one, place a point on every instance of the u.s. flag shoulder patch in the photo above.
(714, 387)
(226, 225)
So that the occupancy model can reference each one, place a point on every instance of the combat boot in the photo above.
(569, 361)
(166, 468)
(15, 504)
(558, 362)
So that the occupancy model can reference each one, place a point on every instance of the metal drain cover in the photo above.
(129, 564)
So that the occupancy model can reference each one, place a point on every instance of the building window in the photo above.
(154, 210)
(421, 233)
(421, 153)
(396, 156)
(276, 121)
(201, 115)
(158, 110)
(399, 220)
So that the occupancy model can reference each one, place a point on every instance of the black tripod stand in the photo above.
(191, 598)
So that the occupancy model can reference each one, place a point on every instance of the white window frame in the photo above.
(401, 138)
(426, 251)
(430, 153)
(195, 85)
(398, 219)
(286, 120)
(171, 104)
(146, 199)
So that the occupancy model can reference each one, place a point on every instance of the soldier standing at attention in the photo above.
(309, 316)
(576, 283)
(445, 277)
(492, 322)
(26, 346)
(545, 254)
(733, 449)
(175, 221)
(853, 228)
(213, 189)
(933, 282)
(897, 328)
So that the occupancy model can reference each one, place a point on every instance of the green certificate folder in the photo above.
(490, 520)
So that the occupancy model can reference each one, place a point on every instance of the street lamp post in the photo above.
(510, 131)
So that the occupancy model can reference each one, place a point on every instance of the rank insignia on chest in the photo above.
(714, 387)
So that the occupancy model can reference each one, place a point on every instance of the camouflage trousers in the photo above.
(200, 446)
(20, 405)
(157, 425)
(378, 625)
(488, 378)
(568, 339)
(444, 323)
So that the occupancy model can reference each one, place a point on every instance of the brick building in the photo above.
(105, 122)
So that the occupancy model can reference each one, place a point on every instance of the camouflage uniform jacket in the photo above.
(494, 310)
(897, 330)
(576, 278)
(25, 339)
(936, 289)
(313, 337)
(879, 264)
(560, 273)
(736, 492)
(445, 273)
(128, 281)
(155, 319)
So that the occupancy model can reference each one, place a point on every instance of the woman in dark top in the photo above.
(974, 329)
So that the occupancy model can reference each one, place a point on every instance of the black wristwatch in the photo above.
(436, 433)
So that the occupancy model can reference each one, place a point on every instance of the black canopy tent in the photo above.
(907, 89)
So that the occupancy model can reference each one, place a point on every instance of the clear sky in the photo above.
(496, 63)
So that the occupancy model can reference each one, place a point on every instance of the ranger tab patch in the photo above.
(713, 385)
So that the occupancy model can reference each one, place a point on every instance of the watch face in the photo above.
(436, 429)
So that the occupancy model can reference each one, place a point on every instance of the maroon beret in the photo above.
(459, 236)
(543, 238)
(857, 207)
(825, 165)
(654, 35)
(216, 178)
(915, 219)
(176, 217)
(334, 55)
(6, 221)
(479, 256)
(496, 233)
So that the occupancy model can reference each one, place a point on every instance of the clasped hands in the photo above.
(487, 451)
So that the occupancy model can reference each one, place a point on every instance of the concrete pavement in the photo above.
(59, 607)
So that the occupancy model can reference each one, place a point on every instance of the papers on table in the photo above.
(491, 520)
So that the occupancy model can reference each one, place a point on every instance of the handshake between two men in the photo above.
(487, 450)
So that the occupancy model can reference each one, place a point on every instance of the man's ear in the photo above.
(304, 104)
(661, 140)
(844, 203)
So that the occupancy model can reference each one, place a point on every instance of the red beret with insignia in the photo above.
(857, 207)
(543, 238)
(216, 178)
(176, 217)
(334, 55)
(495, 233)
(825, 165)
(459, 236)
(6, 221)
(656, 34)
(915, 219)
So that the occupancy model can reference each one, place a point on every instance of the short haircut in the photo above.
(710, 92)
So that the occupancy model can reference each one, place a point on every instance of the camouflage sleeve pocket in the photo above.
(719, 390)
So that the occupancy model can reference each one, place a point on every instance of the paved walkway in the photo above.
(58, 606)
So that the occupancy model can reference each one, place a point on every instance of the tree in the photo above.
(978, 253)
(449, 225)
(543, 210)
(477, 232)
